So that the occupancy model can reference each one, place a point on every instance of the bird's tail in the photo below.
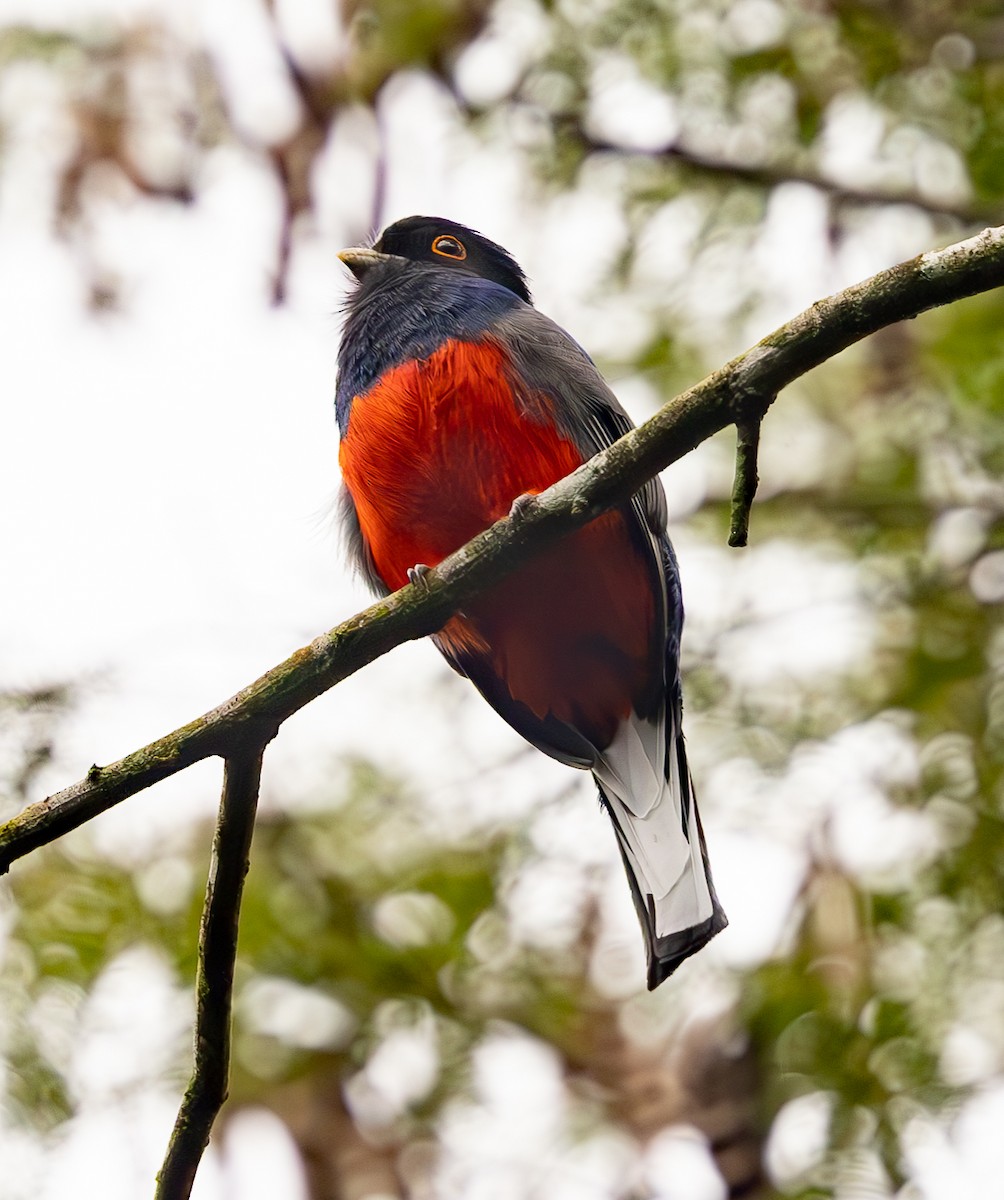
(646, 788)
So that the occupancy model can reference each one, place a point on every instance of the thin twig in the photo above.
(746, 480)
(731, 394)
(774, 174)
(381, 169)
(215, 974)
(284, 249)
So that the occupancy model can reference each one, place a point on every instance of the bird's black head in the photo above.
(446, 244)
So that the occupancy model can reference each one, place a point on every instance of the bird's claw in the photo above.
(522, 506)
(419, 575)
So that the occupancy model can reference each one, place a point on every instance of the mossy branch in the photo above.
(734, 394)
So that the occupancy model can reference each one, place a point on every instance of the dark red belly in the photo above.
(435, 453)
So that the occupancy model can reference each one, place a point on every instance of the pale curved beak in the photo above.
(359, 260)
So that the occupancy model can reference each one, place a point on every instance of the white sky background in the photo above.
(166, 481)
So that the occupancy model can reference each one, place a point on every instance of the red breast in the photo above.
(436, 452)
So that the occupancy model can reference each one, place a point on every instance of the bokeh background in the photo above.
(440, 982)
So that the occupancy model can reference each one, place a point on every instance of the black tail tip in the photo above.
(667, 953)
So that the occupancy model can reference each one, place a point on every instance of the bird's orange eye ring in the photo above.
(449, 247)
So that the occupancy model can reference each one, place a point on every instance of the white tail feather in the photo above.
(633, 766)
(661, 842)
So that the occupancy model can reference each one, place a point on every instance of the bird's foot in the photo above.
(522, 506)
(419, 576)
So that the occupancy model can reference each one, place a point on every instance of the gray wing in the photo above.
(549, 360)
(546, 359)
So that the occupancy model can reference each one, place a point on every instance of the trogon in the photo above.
(454, 397)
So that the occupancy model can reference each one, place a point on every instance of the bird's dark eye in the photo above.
(448, 247)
